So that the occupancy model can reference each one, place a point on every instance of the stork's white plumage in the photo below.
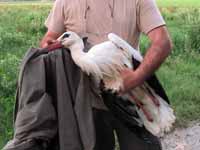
(105, 61)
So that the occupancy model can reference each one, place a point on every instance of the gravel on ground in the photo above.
(183, 138)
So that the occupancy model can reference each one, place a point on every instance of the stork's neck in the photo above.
(83, 60)
(77, 50)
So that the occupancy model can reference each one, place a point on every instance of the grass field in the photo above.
(162, 3)
(21, 26)
(178, 3)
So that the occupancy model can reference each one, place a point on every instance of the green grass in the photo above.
(180, 76)
(178, 3)
(22, 26)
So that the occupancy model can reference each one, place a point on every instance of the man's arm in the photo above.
(54, 23)
(49, 38)
(160, 48)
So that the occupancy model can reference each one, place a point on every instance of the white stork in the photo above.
(105, 61)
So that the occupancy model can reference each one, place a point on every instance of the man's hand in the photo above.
(160, 48)
(48, 42)
(130, 80)
(49, 38)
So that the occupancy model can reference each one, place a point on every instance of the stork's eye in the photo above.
(66, 35)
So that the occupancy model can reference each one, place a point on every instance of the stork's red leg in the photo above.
(150, 94)
(140, 105)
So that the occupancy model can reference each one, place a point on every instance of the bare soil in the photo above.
(183, 138)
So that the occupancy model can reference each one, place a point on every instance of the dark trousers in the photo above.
(128, 139)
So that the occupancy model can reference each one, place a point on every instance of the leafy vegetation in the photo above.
(21, 26)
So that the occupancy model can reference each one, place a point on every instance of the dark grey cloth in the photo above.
(54, 101)
(135, 138)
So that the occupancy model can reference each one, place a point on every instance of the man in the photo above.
(95, 19)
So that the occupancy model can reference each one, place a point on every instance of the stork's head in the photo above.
(71, 40)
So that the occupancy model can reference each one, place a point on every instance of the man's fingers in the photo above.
(48, 42)
(51, 41)
(45, 45)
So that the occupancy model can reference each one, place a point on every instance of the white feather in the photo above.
(124, 45)
(163, 116)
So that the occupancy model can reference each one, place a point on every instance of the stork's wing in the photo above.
(108, 57)
(124, 45)
(122, 108)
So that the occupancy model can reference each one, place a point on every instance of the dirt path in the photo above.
(183, 139)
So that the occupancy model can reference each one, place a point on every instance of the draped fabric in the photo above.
(53, 101)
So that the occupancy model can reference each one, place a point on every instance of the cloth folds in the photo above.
(53, 101)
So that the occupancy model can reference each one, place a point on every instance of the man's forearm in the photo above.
(160, 48)
(154, 57)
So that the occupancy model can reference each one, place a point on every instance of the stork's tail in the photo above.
(124, 45)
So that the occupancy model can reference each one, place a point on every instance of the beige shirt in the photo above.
(96, 18)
